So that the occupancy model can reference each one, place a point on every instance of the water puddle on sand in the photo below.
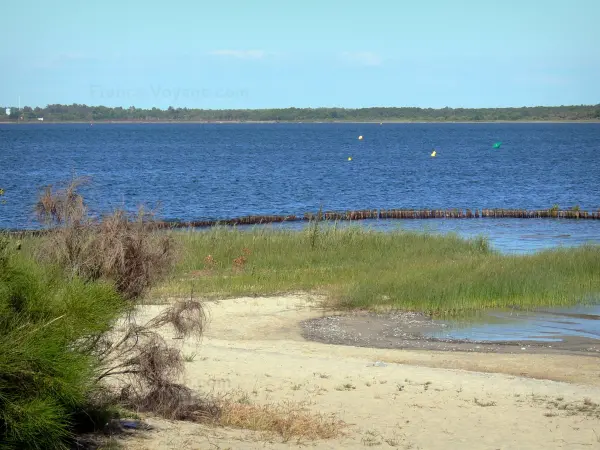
(544, 325)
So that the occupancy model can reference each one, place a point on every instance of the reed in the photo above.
(360, 268)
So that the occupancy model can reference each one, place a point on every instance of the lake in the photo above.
(208, 171)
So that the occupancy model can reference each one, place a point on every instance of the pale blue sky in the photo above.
(260, 54)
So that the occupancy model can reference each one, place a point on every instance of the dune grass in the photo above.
(359, 268)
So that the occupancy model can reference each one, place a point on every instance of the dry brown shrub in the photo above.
(62, 206)
(132, 253)
(287, 420)
(150, 369)
(129, 251)
(187, 318)
(141, 350)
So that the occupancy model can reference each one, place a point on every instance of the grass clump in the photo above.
(287, 420)
(360, 268)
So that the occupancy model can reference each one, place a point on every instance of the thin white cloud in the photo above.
(241, 54)
(362, 58)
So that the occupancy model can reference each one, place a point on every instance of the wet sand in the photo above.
(401, 330)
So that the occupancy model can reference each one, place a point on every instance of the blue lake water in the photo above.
(199, 171)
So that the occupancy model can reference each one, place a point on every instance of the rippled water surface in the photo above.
(545, 325)
(217, 171)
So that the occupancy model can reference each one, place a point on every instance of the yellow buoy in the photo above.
(360, 138)
(433, 153)
(349, 158)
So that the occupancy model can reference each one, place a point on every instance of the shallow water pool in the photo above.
(544, 325)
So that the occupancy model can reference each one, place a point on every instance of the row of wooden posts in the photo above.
(376, 214)
(394, 214)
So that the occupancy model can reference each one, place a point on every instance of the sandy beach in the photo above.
(390, 398)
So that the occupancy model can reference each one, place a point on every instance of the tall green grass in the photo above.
(46, 368)
(359, 268)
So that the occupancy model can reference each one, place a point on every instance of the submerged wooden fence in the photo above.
(375, 214)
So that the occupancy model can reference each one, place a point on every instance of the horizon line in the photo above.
(589, 105)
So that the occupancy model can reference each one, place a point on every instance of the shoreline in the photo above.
(300, 318)
(401, 330)
(251, 122)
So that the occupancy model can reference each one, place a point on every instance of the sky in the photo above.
(326, 53)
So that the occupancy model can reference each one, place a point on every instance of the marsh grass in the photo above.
(360, 268)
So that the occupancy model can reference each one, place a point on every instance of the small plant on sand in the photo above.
(588, 402)
(371, 438)
(483, 404)
(321, 375)
(586, 407)
(190, 357)
(345, 387)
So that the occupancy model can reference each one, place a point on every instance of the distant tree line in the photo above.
(76, 112)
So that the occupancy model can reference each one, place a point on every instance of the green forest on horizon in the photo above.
(84, 113)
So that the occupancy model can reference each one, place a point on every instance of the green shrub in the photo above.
(46, 368)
